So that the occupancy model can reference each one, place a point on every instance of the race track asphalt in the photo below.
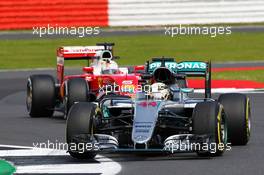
(17, 128)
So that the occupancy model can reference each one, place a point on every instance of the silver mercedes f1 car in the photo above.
(162, 118)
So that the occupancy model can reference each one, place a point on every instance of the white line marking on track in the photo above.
(104, 166)
(15, 146)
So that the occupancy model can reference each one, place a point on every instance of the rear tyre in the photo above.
(209, 118)
(80, 121)
(76, 90)
(238, 112)
(41, 95)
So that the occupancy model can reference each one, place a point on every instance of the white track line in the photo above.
(32, 152)
(15, 146)
(104, 166)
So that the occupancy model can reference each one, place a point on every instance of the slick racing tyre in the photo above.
(76, 90)
(41, 95)
(80, 122)
(209, 119)
(238, 112)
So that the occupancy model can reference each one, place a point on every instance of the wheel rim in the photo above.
(29, 95)
(248, 117)
(223, 129)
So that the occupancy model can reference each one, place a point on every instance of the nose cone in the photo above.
(145, 122)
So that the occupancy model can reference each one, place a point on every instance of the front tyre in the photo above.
(80, 122)
(209, 119)
(41, 95)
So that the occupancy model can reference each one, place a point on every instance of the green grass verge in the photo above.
(137, 49)
(256, 75)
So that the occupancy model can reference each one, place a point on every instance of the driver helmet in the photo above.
(108, 66)
(105, 64)
(160, 91)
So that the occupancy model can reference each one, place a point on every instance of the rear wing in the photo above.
(83, 52)
(186, 68)
(80, 53)
(197, 69)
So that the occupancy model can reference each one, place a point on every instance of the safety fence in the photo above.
(24, 14)
(166, 12)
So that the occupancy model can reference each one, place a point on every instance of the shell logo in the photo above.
(127, 82)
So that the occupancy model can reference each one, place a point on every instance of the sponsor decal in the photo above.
(191, 65)
(140, 137)
(181, 66)
(142, 130)
(170, 65)
(80, 51)
(143, 126)
(145, 104)
(89, 49)
(127, 82)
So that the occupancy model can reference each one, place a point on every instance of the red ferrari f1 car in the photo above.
(102, 76)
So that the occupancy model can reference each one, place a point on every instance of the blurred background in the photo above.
(24, 14)
(138, 29)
